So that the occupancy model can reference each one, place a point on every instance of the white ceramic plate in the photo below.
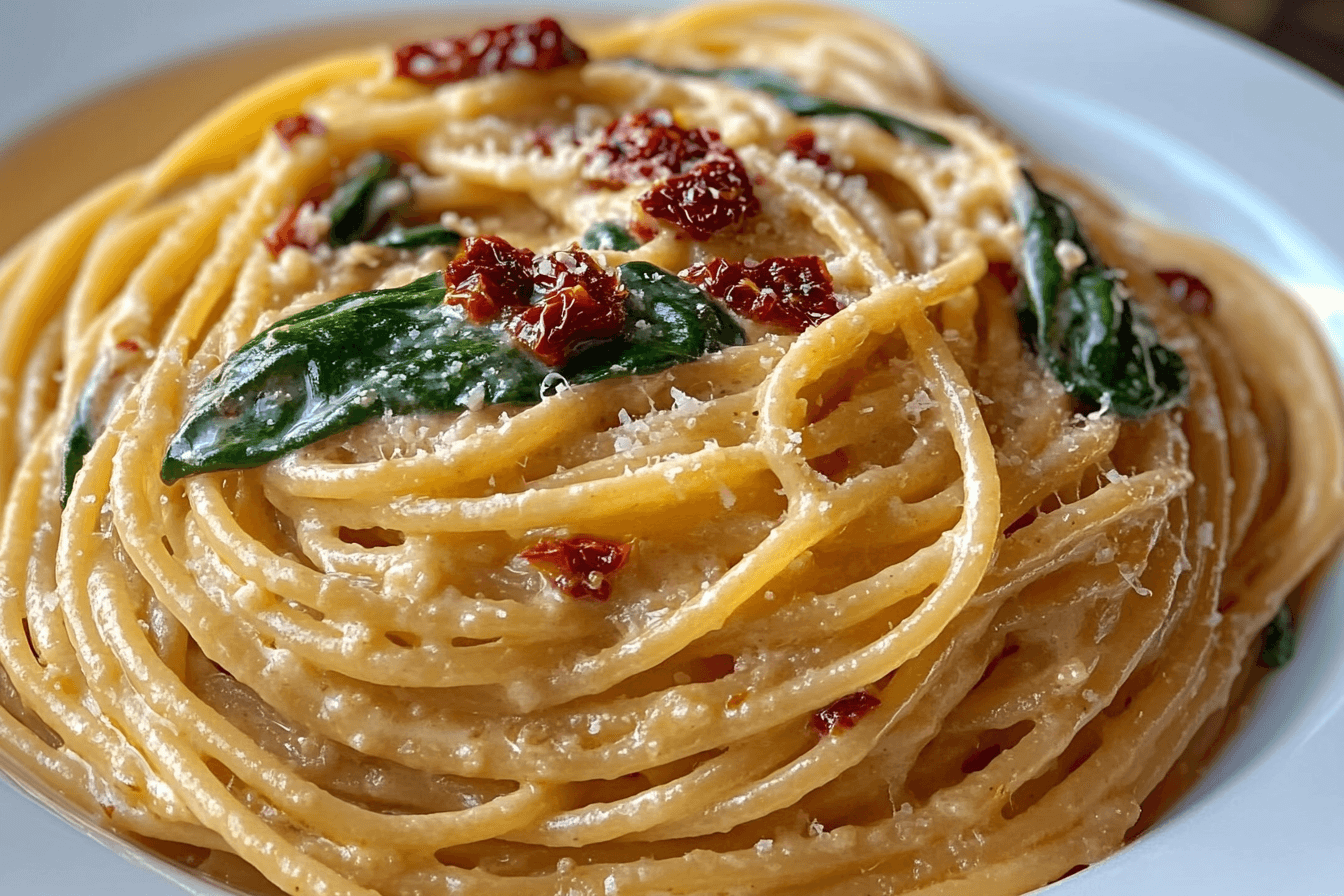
(1184, 122)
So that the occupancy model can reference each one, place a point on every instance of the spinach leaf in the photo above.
(796, 100)
(404, 351)
(80, 439)
(1280, 639)
(115, 371)
(354, 207)
(668, 321)
(324, 370)
(365, 207)
(608, 235)
(418, 237)
(1098, 344)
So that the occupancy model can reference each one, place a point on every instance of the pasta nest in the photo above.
(897, 614)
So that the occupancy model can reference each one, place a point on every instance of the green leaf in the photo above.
(117, 367)
(796, 100)
(324, 370)
(80, 439)
(668, 321)
(608, 235)
(1097, 343)
(1280, 639)
(404, 351)
(355, 208)
(419, 237)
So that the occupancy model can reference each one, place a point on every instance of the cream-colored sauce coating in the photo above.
(337, 671)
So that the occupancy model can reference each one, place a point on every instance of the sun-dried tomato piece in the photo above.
(1191, 293)
(291, 232)
(705, 187)
(794, 292)
(488, 275)
(642, 231)
(578, 303)
(1005, 273)
(547, 137)
(543, 138)
(579, 565)
(804, 145)
(844, 713)
(716, 193)
(529, 46)
(560, 324)
(291, 128)
(564, 270)
(649, 145)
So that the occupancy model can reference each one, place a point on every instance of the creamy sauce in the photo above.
(134, 121)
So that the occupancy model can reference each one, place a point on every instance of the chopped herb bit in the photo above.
(80, 439)
(365, 207)
(125, 360)
(1280, 639)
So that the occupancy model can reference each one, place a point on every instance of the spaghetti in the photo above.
(506, 464)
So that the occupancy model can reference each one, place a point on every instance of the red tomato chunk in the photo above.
(804, 145)
(641, 231)
(650, 145)
(555, 304)
(713, 195)
(580, 564)
(579, 303)
(704, 185)
(844, 713)
(546, 138)
(1191, 293)
(488, 275)
(533, 46)
(794, 293)
(288, 232)
(1005, 273)
(291, 128)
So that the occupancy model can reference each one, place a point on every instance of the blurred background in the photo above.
(1310, 31)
